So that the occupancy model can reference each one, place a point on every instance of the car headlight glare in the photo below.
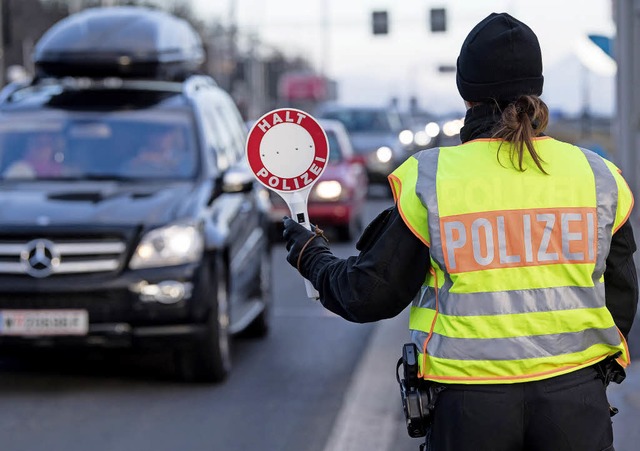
(406, 137)
(384, 154)
(432, 129)
(422, 138)
(328, 190)
(175, 244)
(453, 127)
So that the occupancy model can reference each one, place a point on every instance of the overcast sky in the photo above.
(371, 69)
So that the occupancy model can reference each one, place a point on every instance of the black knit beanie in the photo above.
(500, 60)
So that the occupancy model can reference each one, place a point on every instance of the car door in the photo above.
(239, 210)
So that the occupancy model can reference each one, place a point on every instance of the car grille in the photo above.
(50, 256)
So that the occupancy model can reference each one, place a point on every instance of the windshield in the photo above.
(335, 151)
(356, 121)
(123, 145)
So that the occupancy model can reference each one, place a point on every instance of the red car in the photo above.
(337, 199)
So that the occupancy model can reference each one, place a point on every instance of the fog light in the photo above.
(165, 292)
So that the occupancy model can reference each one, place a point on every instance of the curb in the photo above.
(371, 412)
(626, 397)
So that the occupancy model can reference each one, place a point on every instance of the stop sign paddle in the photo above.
(287, 151)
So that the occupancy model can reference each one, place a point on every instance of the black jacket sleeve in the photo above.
(381, 280)
(621, 279)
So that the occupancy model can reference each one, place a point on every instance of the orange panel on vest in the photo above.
(517, 238)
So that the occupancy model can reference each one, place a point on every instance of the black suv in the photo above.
(128, 216)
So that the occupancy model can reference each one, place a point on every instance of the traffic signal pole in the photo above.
(627, 16)
(2, 56)
(627, 53)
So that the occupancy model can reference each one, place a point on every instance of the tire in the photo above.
(259, 327)
(209, 358)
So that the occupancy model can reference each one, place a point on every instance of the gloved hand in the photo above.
(296, 237)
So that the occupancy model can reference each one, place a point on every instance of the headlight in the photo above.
(432, 129)
(406, 137)
(422, 139)
(453, 127)
(384, 154)
(327, 190)
(175, 244)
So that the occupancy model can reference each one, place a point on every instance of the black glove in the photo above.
(296, 237)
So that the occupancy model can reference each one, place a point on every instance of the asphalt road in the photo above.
(283, 395)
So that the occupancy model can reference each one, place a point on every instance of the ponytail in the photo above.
(521, 121)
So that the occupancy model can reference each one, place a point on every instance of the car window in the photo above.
(223, 134)
(335, 151)
(119, 145)
(215, 137)
(232, 120)
(395, 121)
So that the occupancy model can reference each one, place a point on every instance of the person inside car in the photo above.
(42, 158)
(164, 153)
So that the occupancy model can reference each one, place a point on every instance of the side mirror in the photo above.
(237, 180)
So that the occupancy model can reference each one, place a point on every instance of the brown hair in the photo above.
(521, 121)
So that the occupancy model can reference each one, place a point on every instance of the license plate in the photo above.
(44, 322)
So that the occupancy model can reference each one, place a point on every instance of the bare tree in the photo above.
(23, 23)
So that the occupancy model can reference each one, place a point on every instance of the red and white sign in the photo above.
(287, 150)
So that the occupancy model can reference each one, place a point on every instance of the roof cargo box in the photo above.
(127, 41)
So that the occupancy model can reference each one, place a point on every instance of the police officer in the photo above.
(516, 252)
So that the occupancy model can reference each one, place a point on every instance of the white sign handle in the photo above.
(297, 203)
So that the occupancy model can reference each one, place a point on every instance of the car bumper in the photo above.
(113, 336)
(119, 315)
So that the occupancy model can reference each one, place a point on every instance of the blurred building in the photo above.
(258, 76)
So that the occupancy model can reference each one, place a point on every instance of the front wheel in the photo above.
(209, 358)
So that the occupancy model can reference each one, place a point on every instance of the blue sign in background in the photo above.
(605, 43)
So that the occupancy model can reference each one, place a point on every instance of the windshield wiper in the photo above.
(115, 177)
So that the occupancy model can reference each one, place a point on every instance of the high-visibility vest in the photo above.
(516, 287)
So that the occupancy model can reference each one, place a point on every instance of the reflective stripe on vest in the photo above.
(516, 293)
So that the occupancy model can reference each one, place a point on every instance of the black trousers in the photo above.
(564, 413)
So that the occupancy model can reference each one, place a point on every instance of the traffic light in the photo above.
(438, 20)
(380, 22)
